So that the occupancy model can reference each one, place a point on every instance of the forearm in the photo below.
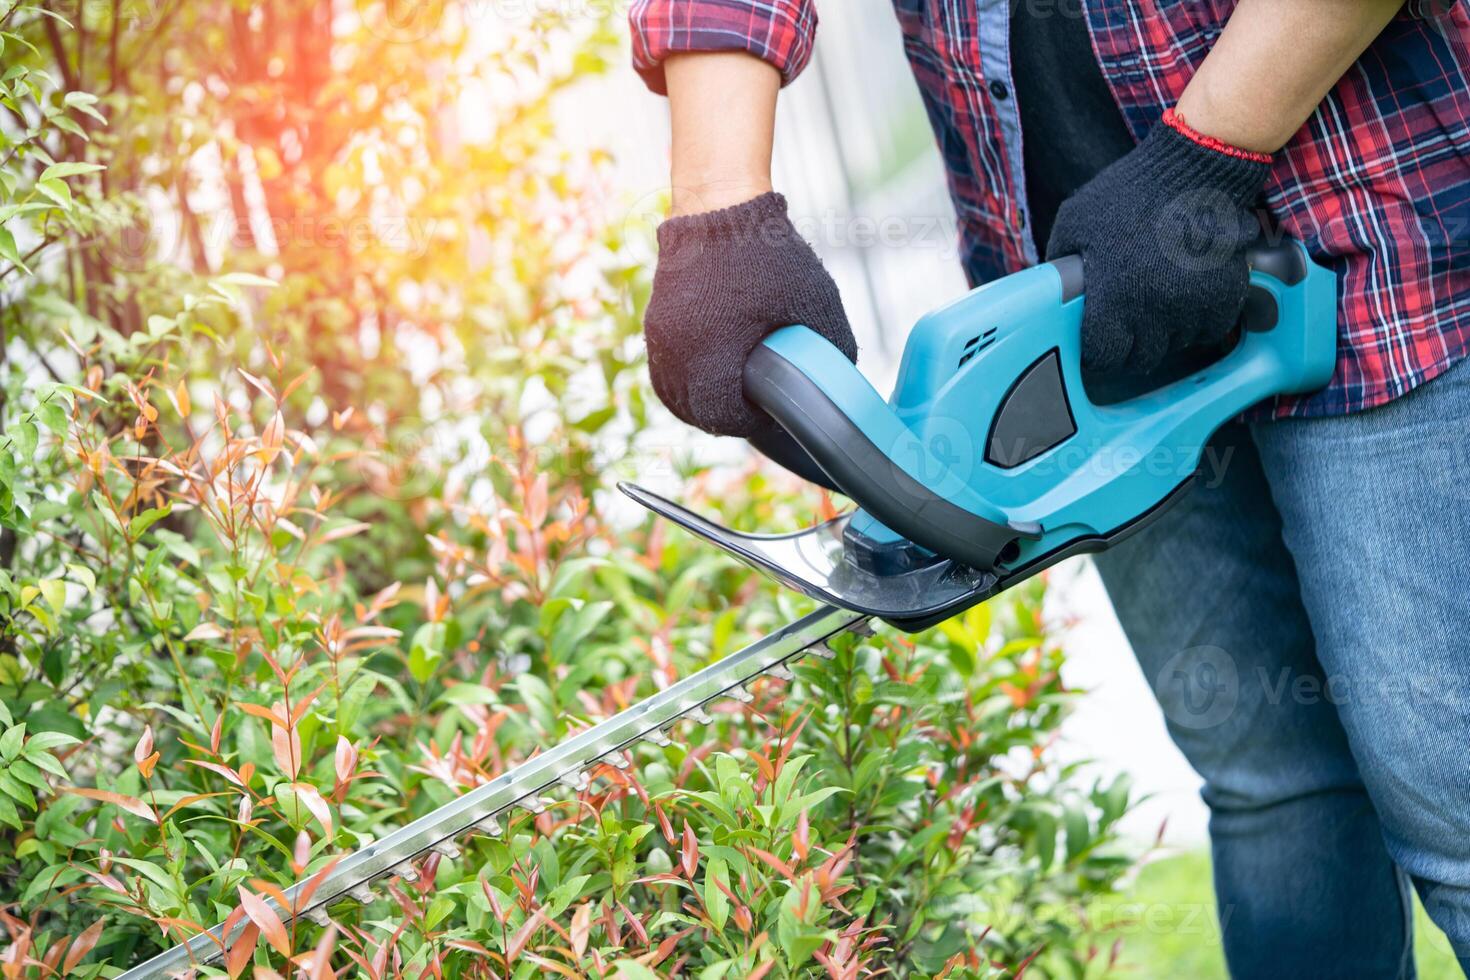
(722, 110)
(1274, 63)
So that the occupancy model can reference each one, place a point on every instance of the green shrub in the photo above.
(303, 535)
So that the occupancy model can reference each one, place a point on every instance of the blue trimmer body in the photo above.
(989, 461)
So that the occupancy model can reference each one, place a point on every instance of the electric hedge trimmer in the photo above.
(988, 463)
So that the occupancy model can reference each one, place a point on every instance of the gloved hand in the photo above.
(1163, 234)
(725, 279)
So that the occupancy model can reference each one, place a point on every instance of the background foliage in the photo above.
(312, 401)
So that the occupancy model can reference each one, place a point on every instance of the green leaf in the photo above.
(84, 575)
(246, 279)
(715, 901)
(147, 519)
(45, 760)
(574, 626)
(42, 741)
(8, 814)
(53, 416)
(426, 651)
(11, 741)
(539, 700)
(1046, 837)
(57, 191)
(27, 438)
(53, 590)
(16, 789)
(631, 970)
(58, 171)
(9, 252)
(27, 772)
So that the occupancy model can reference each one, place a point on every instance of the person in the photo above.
(1302, 618)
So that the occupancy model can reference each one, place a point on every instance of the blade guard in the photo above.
(989, 451)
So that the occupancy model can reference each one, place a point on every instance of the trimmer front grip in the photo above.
(870, 455)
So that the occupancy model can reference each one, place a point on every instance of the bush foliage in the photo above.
(311, 409)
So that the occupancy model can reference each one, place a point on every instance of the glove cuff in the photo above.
(1175, 121)
(1183, 159)
(763, 216)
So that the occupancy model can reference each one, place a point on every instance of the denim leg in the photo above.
(1209, 598)
(1376, 511)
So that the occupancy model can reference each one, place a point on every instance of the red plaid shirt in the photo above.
(1376, 184)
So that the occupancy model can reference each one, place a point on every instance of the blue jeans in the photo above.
(1302, 617)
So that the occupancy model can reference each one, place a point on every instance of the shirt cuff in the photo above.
(779, 32)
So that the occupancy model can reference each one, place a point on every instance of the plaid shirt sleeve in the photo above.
(779, 32)
(1425, 9)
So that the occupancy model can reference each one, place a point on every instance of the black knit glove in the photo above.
(1163, 234)
(725, 279)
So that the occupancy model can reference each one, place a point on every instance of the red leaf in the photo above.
(321, 958)
(215, 767)
(635, 924)
(800, 840)
(775, 862)
(286, 747)
(523, 934)
(303, 897)
(131, 804)
(261, 711)
(689, 852)
(144, 748)
(298, 710)
(308, 795)
(666, 828)
(500, 913)
(581, 928)
(761, 970)
(81, 946)
(346, 759)
(260, 384)
(239, 955)
(302, 854)
(270, 924)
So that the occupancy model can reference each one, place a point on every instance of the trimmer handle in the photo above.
(859, 459)
(934, 463)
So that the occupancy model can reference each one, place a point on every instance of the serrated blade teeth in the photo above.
(741, 694)
(617, 760)
(863, 627)
(406, 873)
(701, 716)
(491, 826)
(534, 805)
(658, 737)
(781, 672)
(361, 894)
(448, 849)
(577, 782)
(822, 650)
(317, 917)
